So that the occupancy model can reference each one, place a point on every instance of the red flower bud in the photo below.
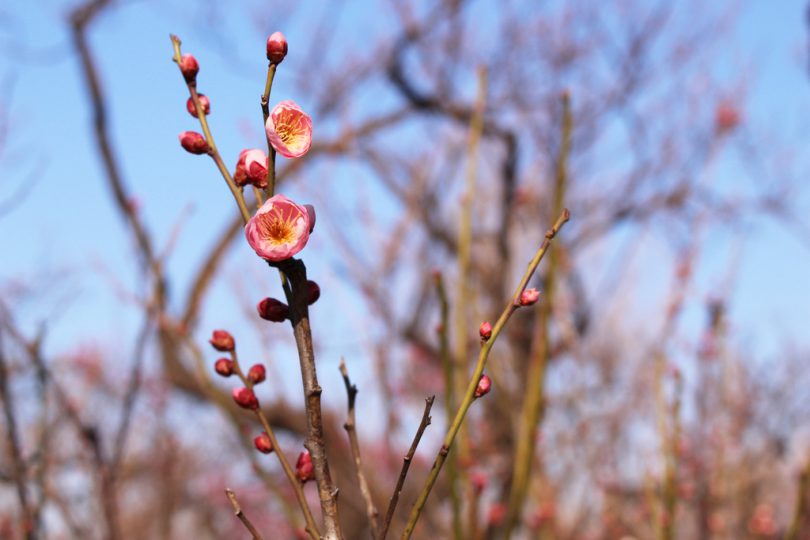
(303, 467)
(276, 47)
(222, 341)
(224, 367)
(251, 168)
(245, 398)
(484, 386)
(485, 331)
(257, 374)
(313, 292)
(193, 142)
(262, 443)
(529, 297)
(205, 103)
(189, 67)
(273, 310)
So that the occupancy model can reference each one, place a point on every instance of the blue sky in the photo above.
(65, 240)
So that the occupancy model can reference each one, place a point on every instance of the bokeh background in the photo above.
(659, 389)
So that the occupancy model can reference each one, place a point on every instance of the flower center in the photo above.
(288, 129)
(276, 228)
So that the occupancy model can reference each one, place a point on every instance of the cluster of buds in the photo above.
(223, 341)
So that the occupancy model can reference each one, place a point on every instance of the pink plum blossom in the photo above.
(279, 229)
(289, 129)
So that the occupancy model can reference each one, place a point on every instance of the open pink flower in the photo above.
(251, 168)
(279, 230)
(289, 129)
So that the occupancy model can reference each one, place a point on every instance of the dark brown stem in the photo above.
(351, 430)
(241, 515)
(296, 292)
(406, 464)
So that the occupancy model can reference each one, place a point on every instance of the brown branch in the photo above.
(297, 298)
(18, 471)
(351, 430)
(237, 510)
(406, 464)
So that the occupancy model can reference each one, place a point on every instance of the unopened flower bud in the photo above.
(485, 331)
(245, 398)
(273, 310)
(484, 386)
(256, 374)
(222, 341)
(193, 142)
(251, 168)
(529, 297)
(189, 67)
(263, 443)
(224, 367)
(303, 467)
(276, 47)
(205, 103)
(313, 292)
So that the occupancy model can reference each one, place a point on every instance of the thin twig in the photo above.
(311, 526)
(236, 191)
(241, 515)
(271, 152)
(531, 416)
(510, 308)
(406, 464)
(351, 430)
